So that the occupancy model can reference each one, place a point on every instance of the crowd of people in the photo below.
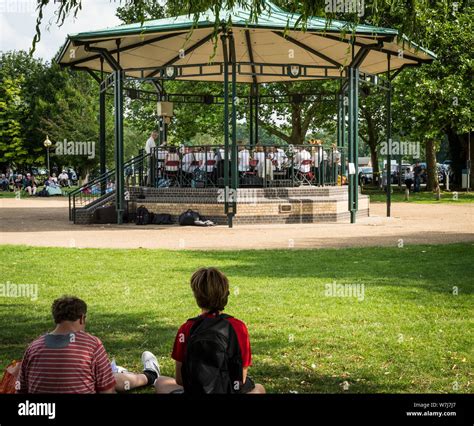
(301, 162)
(29, 184)
(211, 351)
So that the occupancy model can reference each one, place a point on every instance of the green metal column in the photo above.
(119, 174)
(102, 150)
(342, 128)
(226, 128)
(353, 141)
(256, 93)
(389, 139)
(251, 97)
(234, 162)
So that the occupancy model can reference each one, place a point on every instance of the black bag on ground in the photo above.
(105, 214)
(213, 361)
(143, 216)
(162, 219)
(43, 193)
(188, 218)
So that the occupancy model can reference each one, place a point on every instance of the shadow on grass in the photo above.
(431, 268)
(123, 335)
(284, 379)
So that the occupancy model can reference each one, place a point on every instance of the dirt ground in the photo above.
(44, 222)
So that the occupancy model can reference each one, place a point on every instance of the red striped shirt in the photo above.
(80, 367)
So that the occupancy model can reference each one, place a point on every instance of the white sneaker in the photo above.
(150, 362)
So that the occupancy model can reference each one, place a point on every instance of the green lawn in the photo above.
(452, 197)
(410, 333)
(24, 194)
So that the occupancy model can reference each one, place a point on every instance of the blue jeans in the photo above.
(417, 184)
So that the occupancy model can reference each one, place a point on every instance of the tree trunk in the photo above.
(457, 155)
(374, 158)
(431, 169)
(297, 137)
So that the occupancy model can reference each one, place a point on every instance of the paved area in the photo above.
(44, 222)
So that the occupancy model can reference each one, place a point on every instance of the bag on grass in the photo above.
(10, 375)
(213, 361)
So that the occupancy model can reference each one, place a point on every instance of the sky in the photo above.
(18, 20)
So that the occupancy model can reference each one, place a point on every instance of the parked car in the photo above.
(366, 175)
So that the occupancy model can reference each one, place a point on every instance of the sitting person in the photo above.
(4, 184)
(80, 361)
(29, 184)
(227, 363)
(18, 183)
(52, 187)
(63, 179)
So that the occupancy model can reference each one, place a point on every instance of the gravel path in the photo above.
(43, 222)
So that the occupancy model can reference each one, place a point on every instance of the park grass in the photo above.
(24, 194)
(424, 197)
(410, 333)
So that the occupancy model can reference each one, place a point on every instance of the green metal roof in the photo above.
(155, 43)
(272, 17)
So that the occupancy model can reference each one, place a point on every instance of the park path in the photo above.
(44, 222)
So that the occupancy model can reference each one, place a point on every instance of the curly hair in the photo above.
(68, 308)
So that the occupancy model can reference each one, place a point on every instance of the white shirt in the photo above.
(171, 156)
(205, 157)
(188, 158)
(299, 158)
(150, 144)
(336, 157)
(279, 156)
(63, 176)
(222, 153)
(244, 159)
(260, 157)
(161, 154)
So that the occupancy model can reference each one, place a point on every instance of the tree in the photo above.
(11, 142)
(435, 100)
(411, 15)
(292, 122)
(372, 128)
(23, 83)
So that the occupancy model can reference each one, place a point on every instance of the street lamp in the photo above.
(47, 143)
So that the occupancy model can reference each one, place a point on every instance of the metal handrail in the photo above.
(101, 181)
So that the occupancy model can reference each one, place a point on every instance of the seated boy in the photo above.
(69, 360)
(212, 351)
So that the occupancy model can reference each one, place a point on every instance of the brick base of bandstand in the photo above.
(305, 204)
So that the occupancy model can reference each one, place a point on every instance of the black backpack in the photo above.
(143, 216)
(162, 219)
(188, 218)
(213, 361)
